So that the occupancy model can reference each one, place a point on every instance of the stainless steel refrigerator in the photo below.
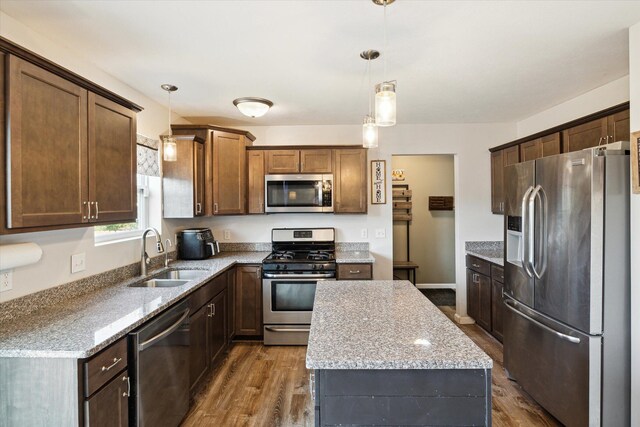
(567, 284)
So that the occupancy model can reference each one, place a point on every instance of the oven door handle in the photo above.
(271, 329)
(299, 276)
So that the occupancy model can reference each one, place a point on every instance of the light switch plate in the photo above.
(380, 233)
(6, 279)
(227, 234)
(364, 233)
(78, 262)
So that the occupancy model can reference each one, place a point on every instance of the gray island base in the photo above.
(382, 354)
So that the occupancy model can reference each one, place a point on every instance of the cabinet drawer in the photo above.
(102, 367)
(355, 272)
(479, 265)
(497, 273)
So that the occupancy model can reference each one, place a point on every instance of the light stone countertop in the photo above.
(385, 324)
(490, 255)
(358, 257)
(84, 325)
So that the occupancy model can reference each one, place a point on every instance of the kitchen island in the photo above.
(382, 354)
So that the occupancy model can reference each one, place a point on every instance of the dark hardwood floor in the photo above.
(268, 386)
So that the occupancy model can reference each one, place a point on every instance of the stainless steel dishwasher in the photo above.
(159, 353)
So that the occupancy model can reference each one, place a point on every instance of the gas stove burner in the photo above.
(319, 256)
(283, 255)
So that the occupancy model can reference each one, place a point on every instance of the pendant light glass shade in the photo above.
(169, 149)
(369, 133)
(169, 145)
(386, 104)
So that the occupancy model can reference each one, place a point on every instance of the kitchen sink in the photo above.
(181, 274)
(159, 283)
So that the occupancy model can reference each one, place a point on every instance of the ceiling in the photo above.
(455, 62)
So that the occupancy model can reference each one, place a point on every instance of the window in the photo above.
(129, 230)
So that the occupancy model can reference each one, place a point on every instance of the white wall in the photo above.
(58, 246)
(613, 93)
(634, 72)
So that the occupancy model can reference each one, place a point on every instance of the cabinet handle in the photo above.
(600, 140)
(215, 208)
(475, 278)
(128, 392)
(354, 271)
(115, 362)
(312, 385)
(89, 210)
(210, 311)
(97, 210)
(213, 310)
(475, 265)
(198, 208)
(84, 209)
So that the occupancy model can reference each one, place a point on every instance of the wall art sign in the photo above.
(397, 175)
(635, 162)
(378, 182)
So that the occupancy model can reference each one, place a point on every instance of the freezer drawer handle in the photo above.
(164, 333)
(566, 337)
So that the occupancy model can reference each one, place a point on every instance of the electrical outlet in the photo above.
(6, 280)
(227, 234)
(380, 233)
(78, 262)
(364, 233)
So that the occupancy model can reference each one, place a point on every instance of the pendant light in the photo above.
(385, 91)
(369, 127)
(169, 145)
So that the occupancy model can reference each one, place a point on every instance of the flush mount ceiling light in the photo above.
(385, 91)
(169, 145)
(369, 127)
(253, 107)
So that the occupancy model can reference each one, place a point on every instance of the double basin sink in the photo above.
(170, 279)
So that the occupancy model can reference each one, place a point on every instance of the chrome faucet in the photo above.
(144, 257)
(167, 245)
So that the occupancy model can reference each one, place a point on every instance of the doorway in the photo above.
(424, 220)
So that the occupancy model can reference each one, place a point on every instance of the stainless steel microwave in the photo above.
(298, 193)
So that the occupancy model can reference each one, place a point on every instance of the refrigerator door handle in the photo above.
(526, 233)
(540, 267)
(513, 307)
(531, 221)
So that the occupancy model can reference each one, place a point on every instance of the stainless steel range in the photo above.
(301, 258)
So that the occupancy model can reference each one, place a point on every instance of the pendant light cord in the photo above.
(169, 113)
(384, 50)
(369, 74)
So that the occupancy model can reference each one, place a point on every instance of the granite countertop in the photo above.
(82, 326)
(345, 257)
(385, 324)
(491, 251)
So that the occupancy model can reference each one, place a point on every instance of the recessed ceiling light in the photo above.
(253, 107)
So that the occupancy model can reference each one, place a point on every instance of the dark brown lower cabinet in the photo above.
(217, 325)
(496, 309)
(473, 296)
(231, 305)
(479, 298)
(198, 356)
(110, 405)
(248, 300)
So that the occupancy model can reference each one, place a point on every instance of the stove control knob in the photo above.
(277, 267)
(313, 267)
(284, 267)
(321, 266)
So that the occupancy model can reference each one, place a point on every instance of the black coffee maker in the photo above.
(196, 243)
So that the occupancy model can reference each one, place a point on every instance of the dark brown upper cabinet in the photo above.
(112, 161)
(282, 161)
(72, 153)
(183, 180)
(541, 147)
(255, 185)
(350, 181)
(585, 135)
(312, 160)
(229, 173)
(499, 160)
(619, 126)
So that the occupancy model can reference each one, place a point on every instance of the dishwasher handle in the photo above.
(151, 341)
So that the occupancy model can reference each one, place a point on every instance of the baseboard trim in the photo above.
(451, 286)
(464, 320)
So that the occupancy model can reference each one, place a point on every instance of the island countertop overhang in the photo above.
(385, 324)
